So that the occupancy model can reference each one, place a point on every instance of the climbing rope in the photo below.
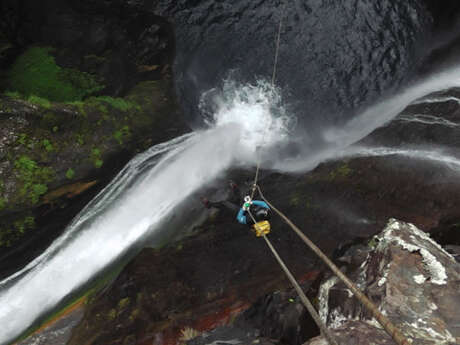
(306, 302)
(275, 64)
(391, 329)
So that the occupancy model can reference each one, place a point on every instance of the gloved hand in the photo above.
(246, 206)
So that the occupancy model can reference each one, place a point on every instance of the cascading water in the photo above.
(132, 208)
(134, 205)
(335, 139)
(435, 156)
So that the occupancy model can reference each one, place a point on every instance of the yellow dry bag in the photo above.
(261, 228)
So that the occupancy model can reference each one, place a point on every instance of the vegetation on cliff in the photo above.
(57, 131)
(35, 73)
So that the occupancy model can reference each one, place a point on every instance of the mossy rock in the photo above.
(13, 229)
(52, 146)
(36, 74)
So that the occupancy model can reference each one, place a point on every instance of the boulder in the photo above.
(410, 278)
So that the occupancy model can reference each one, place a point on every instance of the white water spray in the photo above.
(430, 155)
(134, 205)
(337, 139)
(379, 114)
(428, 120)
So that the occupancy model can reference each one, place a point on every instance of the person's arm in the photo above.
(241, 217)
(260, 203)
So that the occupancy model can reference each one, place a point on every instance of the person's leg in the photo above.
(231, 206)
(221, 205)
(236, 196)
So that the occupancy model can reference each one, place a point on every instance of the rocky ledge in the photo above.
(412, 280)
(84, 87)
(205, 281)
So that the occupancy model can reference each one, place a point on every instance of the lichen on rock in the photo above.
(411, 279)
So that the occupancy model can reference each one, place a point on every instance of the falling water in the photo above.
(335, 139)
(134, 205)
(431, 155)
(136, 202)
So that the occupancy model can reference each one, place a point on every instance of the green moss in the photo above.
(80, 107)
(117, 103)
(96, 158)
(35, 72)
(33, 177)
(112, 314)
(342, 171)
(80, 139)
(39, 101)
(98, 163)
(294, 200)
(22, 139)
(47, 145)
(102, 108)
(14, 95)
(10, 233)
(23, 224)
(122, 133)
(50, 119)
(70, 173)
(123, 303)
(134, 314)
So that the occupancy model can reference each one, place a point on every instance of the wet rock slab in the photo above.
(208, 279)
(57, 333)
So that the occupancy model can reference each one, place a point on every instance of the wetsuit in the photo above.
(256, 206)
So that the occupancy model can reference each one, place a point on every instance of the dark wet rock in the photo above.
(333, 57)
(232, 335)
(200, 284)
(410, 278)
(454, 251)
(109, 39)
(54, 157)
(53, 154)
(222, 269)
(334, 204)
(277, 318)
(430, 122)
(57, 333)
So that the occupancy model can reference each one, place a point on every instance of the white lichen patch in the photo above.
(433, 306)
(419, 244)
(349, 292)
(425, 236)
(323, 297)
(422, 330)
(384, 277)
(374, 322)
(419, 278)
(337, 319)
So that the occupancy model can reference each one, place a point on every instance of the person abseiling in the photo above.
(259, 210)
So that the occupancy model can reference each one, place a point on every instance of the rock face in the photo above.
(58, 148)
(161, 293)
(333, 56)
(412, 280)
(117, 41)
(222, 269)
